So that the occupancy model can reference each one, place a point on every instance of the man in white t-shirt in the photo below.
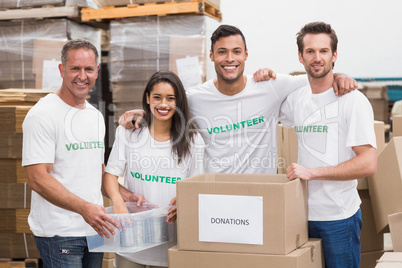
(337, 145)
(237, 117)
(63, 154)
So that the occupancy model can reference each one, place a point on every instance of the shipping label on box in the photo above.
(284, 211)
(230, 219)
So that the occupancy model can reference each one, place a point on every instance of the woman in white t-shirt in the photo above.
(153, 158)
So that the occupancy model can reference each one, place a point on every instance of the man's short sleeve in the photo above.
(117, 159)
(39, 142)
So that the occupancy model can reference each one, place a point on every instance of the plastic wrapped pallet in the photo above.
(133, 2)
(25, 45)
(143, 45)
(39, 3)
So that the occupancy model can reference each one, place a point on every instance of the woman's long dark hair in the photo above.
(182, 131)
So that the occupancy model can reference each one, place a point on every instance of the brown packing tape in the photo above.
(298, 240)
(313, 251)
(25, 195)
(26, 245)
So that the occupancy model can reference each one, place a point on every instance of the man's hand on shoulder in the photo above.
(343, 84)
(132, 119)
(264, 74)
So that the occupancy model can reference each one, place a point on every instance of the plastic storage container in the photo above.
(143, 227)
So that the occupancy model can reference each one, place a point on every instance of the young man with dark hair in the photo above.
(236, 116)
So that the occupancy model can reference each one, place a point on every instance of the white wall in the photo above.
(369, 33)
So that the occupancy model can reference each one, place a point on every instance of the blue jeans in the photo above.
(341, 240)
(67, 252)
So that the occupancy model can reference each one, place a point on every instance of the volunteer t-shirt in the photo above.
(328, 127)
(150, 168)
(72, 140)
(240, 131)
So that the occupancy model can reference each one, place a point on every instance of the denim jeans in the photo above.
(341, 240)
(67, 252)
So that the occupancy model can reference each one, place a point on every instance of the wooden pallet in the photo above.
(40, 12)
(159, 9)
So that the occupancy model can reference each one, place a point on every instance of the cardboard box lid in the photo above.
(238, 178)
(395, 227)
(388, 265)
(390, 260)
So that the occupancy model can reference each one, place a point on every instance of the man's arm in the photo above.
(132, 119)
(342, 82)
(40, 180)
(364, 164)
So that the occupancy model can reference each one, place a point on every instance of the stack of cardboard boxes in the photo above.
(372, 242)
(39, 3)
(31, 49)
(104, 3)
(386, 193)
(141, 46)
(378, 97)
(16, 240)
(243, 220)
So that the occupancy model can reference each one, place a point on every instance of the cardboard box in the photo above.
(390, 260)
(287, 148)
(15, 195)
(11, 145)
(388, 265)
(380, 109)
(379, 129)
(11, 118)
(370, 240)
(244, 213)
(14, 221)
(108, 263)
(124, 91)
(397, 125)
(369, 259)
(308, 255)
(184, 48)
(16, 70)
(14, 245)
(375, 92)
(395, 227)
(11, 171)
(386, 185)
(123, 70)
(45, 49)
